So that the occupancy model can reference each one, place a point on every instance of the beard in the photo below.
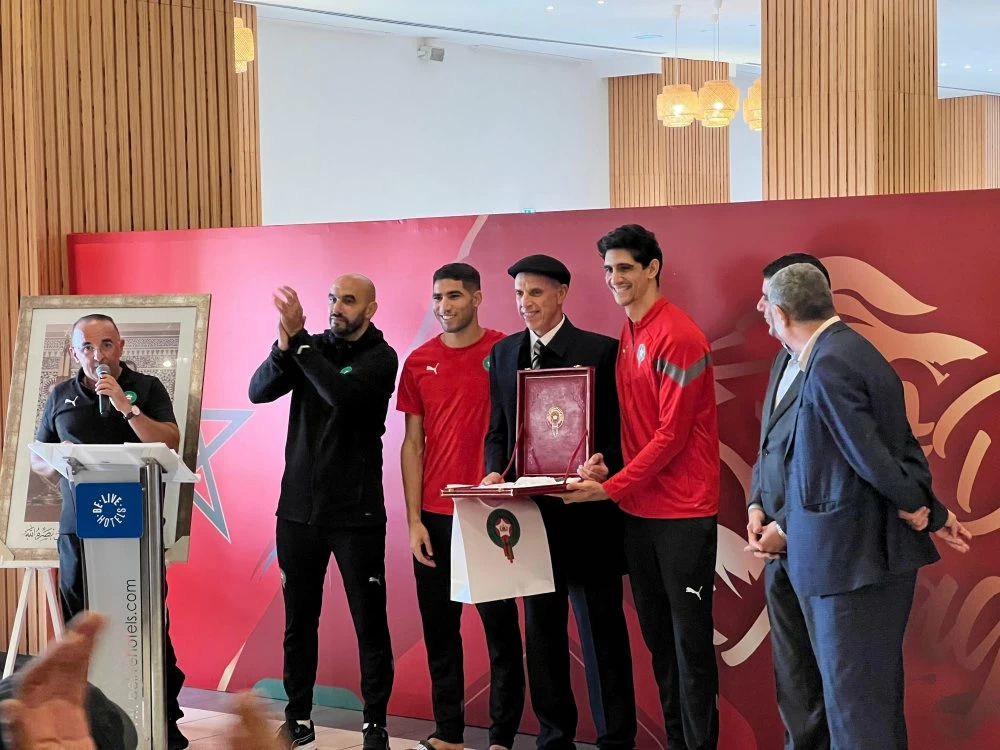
(342, 326)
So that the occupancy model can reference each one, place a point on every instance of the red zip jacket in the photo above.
(670, 433)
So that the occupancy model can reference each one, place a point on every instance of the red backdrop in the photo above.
(917, 274)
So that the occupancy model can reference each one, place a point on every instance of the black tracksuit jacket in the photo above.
(333, 453)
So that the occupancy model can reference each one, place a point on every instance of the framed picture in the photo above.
(164, 336)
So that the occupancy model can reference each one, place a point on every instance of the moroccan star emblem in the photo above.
(206, 495)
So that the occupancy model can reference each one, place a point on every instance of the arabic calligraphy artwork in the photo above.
(164, 336)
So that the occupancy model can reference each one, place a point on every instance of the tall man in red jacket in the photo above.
(669, 488)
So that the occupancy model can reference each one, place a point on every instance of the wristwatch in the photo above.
(133, 412)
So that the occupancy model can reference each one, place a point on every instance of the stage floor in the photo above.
(207, 717)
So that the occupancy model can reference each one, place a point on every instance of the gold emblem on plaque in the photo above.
(555, 418)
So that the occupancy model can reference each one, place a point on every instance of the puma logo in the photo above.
(375, 579)
(72, 401)
(433, 369)
(697, 593)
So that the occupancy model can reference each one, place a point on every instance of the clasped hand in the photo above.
(764, 540)
(291, 319)
(593, 472)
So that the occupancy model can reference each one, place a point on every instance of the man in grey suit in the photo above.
(853, 469)
(796, 675)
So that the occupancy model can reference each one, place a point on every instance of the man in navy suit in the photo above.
(587, 573)
(796, 674)
(853, 467)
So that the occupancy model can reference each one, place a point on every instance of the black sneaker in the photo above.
(376, 738)
(175, 740)
(291, 734)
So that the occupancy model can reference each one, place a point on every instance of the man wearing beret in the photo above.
(591, 580)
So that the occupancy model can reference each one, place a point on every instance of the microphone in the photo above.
(103, 403)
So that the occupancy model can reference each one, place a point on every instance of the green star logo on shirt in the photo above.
(346, 370)
(486, 363)
(130, 395)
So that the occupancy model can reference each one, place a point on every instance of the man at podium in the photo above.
(107, 402)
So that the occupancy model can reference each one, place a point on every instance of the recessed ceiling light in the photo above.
(968, 67)
(649, 36)
(944, 65)
(989, 70)
(550, 7)
(600, 2)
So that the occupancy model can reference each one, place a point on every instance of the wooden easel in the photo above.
(42, 573)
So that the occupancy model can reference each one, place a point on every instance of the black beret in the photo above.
(543, 265)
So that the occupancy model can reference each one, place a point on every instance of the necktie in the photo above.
(536, 354)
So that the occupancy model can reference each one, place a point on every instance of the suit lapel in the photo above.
(787, 400)
(777, 368)
(801, 379)
(522, 353)
(555, 353)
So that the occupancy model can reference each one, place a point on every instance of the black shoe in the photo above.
(291, 734)
(175, 740)
(376, 738)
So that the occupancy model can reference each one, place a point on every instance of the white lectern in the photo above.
(119, 508)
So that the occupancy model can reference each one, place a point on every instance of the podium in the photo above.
(119, 507)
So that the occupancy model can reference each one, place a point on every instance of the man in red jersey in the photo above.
(445, 393)
(669, 487)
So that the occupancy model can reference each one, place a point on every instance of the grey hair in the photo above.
(801, 290)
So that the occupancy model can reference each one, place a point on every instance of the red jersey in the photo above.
(450, 389)
(670, 433)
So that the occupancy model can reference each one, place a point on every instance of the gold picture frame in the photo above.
(170, 335)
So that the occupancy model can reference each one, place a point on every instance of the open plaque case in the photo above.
(555, 433)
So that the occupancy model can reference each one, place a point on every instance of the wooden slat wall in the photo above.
(35, 634)
(992, 114)
(961, 142)
(968, 143)
(651, 165)
(247, 102)
(115, 115)
(849, 93)
(26, 267)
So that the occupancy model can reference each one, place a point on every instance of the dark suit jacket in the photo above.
(767, 486)
(852, 463)
(585, 538)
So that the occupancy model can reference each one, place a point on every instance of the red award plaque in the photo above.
(555, 433)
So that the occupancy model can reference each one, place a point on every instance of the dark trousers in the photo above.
(442, 621)
(303, 556)
(858, 641)
(607, 660)
(796, 673)
(589, 579)
(671, 564)
(72, 592)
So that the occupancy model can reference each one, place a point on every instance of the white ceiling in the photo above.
(612, 33)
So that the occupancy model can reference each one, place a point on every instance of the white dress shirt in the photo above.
(537, 342)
